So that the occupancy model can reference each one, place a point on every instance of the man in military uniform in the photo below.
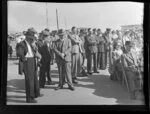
(76, 54)
(130, 64)
(92, 52)
(45, 49)
(109, 47)
(82, 37)
(94, 31)
(101, 51)
(63, 48)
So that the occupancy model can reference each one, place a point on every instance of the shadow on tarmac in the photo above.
(104, 87)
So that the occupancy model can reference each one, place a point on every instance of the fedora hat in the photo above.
(31, 33)
(61, 32)
(45, 33)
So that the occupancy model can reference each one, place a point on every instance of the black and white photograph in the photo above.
(75, 53)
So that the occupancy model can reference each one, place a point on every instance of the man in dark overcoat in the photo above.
(45, 49)
(28, 55)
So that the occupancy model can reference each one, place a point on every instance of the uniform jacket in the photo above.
(92, 44)
(76, 43)
(65, 47)
(108, 40)
(101, 44)
(83, 43)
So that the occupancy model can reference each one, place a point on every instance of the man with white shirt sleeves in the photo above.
(28, 56)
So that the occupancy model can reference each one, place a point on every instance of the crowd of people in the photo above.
(70, 48)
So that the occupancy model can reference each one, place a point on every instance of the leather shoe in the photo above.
(90, 73)
(75, 82)
(96, 71)
(50, 83)
(59, 87)
(41, 86)
(32, 101)
(72, 88)
(40, 95)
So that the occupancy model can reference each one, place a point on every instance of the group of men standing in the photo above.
(69, 50)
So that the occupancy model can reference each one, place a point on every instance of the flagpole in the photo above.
(57, 20)
(46, 16)
(65, 23)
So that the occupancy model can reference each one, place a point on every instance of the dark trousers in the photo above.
(20, 67)
(92, 58)
(31, 81)
(101, 60)
(65, 73)
(44, 69)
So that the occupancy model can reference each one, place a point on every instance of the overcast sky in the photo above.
(22, 15)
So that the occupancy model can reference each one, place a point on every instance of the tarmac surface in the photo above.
(96, 89)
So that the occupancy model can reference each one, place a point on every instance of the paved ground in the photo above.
(97, 89)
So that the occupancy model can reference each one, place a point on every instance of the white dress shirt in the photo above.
(29, 53)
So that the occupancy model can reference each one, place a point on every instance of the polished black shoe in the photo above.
(40, 95)
(75, 82)
(50, 83)
(96, 71)
(31, 101)
(41, 86)
(59, 87)
(90, 73)
(72, 88)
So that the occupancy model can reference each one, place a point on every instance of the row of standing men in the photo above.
(70, 51)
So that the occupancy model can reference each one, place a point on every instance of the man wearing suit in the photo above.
(130, 64)
(28, 55)
(63, 48)
(101, 51)
(92, 52)
(45, 49)
(76, 54)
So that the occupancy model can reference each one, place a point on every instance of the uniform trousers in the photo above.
(65, 73)
(31, 81)
(109, 60)
(101, 60)
(76, 64)
(92, 58)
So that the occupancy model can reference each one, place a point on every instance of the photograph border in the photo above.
(72, 108)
